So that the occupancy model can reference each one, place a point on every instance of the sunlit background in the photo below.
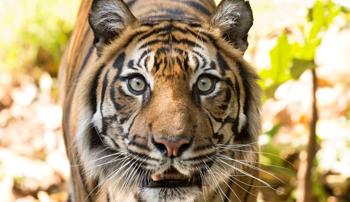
(289, 37)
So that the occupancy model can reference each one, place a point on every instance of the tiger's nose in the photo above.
(172, 146)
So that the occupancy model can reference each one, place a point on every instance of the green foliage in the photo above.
(273, 131)
(35, 32)
(289, 59)
(293, 54)
(278, 73)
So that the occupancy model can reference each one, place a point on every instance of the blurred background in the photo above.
(295, 45)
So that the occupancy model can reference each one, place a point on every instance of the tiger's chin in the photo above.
(170, 194)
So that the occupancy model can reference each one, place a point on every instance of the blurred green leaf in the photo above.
(273, 131)
(34, 29)
(278, 73)
(280, 56)
(290, 59)
(299, 66)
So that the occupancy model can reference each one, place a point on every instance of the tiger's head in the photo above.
(170, 109)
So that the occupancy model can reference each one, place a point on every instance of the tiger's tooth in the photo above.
(156, 177)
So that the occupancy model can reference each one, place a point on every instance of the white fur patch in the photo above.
(155, 195)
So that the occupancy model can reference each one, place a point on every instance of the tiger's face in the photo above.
(171, 108)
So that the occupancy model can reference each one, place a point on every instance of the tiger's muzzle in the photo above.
(172, 178)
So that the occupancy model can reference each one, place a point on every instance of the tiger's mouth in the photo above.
(172, 178)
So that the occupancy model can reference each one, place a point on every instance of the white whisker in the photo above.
(249, 175)
(250, 166)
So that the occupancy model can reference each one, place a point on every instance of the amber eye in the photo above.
(137, 84)
(206, 84)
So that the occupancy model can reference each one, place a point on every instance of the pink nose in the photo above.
(173, 146)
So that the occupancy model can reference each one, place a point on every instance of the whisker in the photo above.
(217, 183)
(249, 175)
(237, 145)
(251, 166)
(115, 159)
(98, 186)
(222, 171)
(235, 178)
(133, 173)
(256, 152)
(232, 175)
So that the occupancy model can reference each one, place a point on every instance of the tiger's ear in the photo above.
(234, 18)
(107, 19)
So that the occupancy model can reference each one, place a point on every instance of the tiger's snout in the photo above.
(172, 146)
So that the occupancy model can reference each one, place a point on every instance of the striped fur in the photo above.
(110, 129)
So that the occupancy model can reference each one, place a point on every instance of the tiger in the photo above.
(159, 104)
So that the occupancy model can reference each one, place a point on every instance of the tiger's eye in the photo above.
(137, 85)
(205, 85)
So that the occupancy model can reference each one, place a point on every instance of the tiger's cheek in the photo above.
(125, 107)
(221, 104)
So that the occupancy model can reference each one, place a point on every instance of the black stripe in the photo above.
(246, 197)
(187, 42)
(173, 11)
(95, 140)
(222, 63)
(144, 53)
(174, 41)
(196, 61)
(203, 147)
(150, 43)
(204, 60)
(228, 191)
(219, 137)
(132, 37)
(131, 124)
(131, 3)
(137, 144)
(212, 66)
(226, 100)
(194, 24)
(131, 65)
(93, 96)
(116, 105)
(70, 198)
(244, 134)
(86, 58)
(119, 62)
(83, 180)
(238, 96)
(146, 62)
(164, 29)
(227, 95)
(198, 36)
(183, 18)
(184, 31)
(103, 92)
(161, 50)
(154, 31)
(108, 199)
(199, 157)
(142, 156)
(198, 7)
(167, 29)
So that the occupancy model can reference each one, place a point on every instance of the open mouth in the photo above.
(171, 178)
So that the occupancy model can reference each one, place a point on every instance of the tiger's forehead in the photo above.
(171, 48)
